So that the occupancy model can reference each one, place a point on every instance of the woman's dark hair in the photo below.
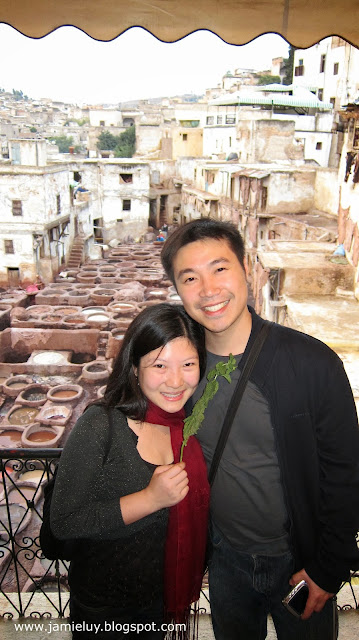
(201, 229)
(154, 327)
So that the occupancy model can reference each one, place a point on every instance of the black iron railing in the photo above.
(31, 585)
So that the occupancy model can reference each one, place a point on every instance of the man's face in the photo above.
(212, 284)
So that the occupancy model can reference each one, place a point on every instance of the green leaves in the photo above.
(193, 422)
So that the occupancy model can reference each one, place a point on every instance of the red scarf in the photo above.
(187, 525)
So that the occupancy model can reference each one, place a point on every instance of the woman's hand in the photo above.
(168, 485)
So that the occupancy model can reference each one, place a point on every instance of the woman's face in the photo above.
(169, 375)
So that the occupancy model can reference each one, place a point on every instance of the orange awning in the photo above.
(301, 22)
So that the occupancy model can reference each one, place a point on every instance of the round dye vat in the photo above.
(27, 493)
(33, 395)
(98, 317)
(12, 386)
(13, 435)
(49, 357)
(64, 394)
(33, 476)
(41, 436)
(91, 310)
(71, 320)
(23, 416)
(17, 515)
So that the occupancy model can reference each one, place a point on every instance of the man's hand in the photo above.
(317, 596)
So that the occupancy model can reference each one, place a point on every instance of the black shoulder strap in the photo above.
(109, 413)
(236, 398)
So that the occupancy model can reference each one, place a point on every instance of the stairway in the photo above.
(76, 254)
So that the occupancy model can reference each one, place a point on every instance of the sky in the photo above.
(70, 66)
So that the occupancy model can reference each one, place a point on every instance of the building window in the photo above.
(299, 70)
(58, 205)
(219, 119)
(322, 63)
(320, 94)
(332, 101)
(126, 178)
(231, 119)
(9, 246)
(102, 123)
(126, 205)
(230, 141)
(318, 146)
(16, 208)
(210, 120)
(336, 68)
(184, 137)
(356, 138)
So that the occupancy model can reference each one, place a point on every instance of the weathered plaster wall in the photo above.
(274, 141)
(187, 142)
(326, 194)
(219, 140)
(291, 191)
(37, 189)
(148, 138)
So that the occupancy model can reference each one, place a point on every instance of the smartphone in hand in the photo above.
(297, 598)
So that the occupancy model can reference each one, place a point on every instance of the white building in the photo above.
(232, 125)
(330, 69)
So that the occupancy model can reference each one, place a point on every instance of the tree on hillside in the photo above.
(288, 64)
(107, 141)
(64, 143)
(267, 78)
(19, 95)
(126, 146)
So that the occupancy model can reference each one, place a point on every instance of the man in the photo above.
(285, 500)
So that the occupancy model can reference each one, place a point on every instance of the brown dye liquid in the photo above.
(66, 393)
(23, 416)
(17, 385)
(14, 436)
(41, 436)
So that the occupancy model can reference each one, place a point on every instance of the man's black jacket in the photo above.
(317, 438)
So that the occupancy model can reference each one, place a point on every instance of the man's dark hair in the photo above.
(154, 327)
(201, 229)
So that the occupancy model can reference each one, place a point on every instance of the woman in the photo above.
(139, 515)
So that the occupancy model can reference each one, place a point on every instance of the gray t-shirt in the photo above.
(247, 502)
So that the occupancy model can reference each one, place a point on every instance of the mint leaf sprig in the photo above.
(193, 422)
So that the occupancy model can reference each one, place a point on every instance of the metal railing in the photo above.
(31, 585)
